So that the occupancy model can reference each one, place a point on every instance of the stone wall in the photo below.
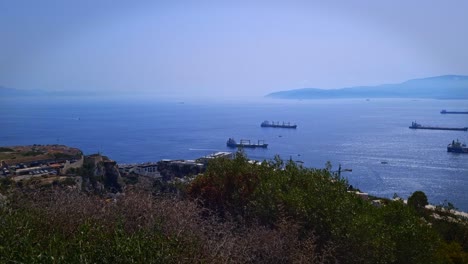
(68, 165)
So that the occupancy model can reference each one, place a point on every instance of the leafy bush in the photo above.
(418, 200)
(319, 200)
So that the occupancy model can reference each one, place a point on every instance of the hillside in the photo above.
(440, 87)
(234, 212)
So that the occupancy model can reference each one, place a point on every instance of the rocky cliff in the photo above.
(101, 174)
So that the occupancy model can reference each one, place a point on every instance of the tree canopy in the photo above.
(418, 200)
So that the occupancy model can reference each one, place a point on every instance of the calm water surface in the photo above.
(370, 137)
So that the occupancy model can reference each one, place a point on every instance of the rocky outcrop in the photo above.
(101, 174)
(112, 179)
(170, 170)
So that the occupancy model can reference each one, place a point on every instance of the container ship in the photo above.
(415, 125)
(453, 112)
(245, 143)
(457, 147)
(277, 124)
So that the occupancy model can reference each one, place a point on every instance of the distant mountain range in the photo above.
(440, 87)
(11, 92)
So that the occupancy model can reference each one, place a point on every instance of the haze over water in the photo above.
(370, 137)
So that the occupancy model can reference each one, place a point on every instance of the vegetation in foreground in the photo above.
(235, 212)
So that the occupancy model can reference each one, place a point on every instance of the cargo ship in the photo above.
(245, 143)
(457, 147)
(277, 124)
(453, 112)
(415, 125)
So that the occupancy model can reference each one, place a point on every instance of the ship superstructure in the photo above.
(278, 124)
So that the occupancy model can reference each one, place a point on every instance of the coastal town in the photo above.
(47, 165)
(57, 164)
(24, 162)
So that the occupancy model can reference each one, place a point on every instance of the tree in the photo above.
(418, 200)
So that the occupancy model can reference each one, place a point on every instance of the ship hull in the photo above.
(453, 112)
(248, 146)
(231, 143)
(441, 128)
(279, 126)
(457, 150)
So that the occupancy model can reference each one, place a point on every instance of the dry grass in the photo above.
(202, 236)
(31, 153)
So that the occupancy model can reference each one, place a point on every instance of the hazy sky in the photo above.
(231, 48)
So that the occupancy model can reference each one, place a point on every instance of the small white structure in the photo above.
(364, 196)
(147, 169)
(221, 154)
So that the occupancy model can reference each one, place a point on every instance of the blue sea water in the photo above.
(370, 137)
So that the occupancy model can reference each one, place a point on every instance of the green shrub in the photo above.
(417, 201)
(319, 200)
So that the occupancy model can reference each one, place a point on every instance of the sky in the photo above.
(227, 48)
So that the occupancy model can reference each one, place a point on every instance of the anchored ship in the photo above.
(453, 112)
(457, 147)
(277, 124)
(245, 143)
(415, 125)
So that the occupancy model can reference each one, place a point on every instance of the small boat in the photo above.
(245, 143)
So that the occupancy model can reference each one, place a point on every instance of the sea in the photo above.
(369, 137)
